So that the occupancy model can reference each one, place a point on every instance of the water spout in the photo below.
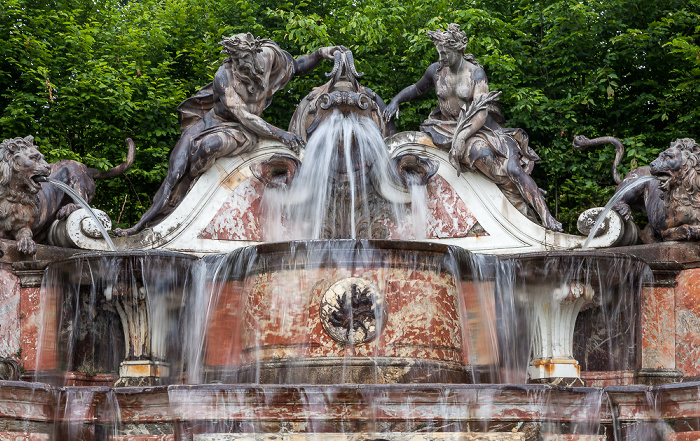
(613, 200)
(80, 201)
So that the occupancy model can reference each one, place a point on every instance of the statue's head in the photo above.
(453, 38)
(242, 50)
(450, 44)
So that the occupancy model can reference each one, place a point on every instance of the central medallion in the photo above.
(353, 311)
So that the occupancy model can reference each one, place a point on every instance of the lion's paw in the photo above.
(623, 209)
(66, 211)
(26, 245)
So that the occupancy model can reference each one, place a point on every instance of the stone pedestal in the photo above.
(555, 312)
(142, 373)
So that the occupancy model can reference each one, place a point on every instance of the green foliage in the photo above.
(82, 75)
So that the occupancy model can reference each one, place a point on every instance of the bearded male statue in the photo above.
(223, 118)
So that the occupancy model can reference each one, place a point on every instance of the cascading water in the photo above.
(337, 191)
(613, 200)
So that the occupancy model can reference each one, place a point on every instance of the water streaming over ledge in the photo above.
(611, 203)
(223, 324)
(337, 191)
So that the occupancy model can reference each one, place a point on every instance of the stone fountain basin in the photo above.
(270, 320)
(277, 313)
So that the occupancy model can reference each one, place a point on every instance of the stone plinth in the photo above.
(555, 310)
(142, 373)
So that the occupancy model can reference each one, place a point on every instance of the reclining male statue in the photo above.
(468, 123)
(223, 118)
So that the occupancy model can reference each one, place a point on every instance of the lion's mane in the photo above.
(16, 208)
(684, 189)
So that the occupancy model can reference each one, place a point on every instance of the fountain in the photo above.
(370, 287)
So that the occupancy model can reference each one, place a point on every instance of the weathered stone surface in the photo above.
(687, 323)
(23, 436)
(391, 412)
(30, 319)
(144, 438)
(658, 328)
(558, 437)
(239, 217)
(607, 378)
(684, 436)
(9, 312)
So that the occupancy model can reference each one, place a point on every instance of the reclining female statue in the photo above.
(468, 123)
(223, 118)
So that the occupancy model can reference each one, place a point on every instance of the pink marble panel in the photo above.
(687, 322)
(423, 320)
(9, 312)
(223, 346)
(238, 218)
(658, 330)
(447, 216)
(684, 436)
(479, 335)
(30, 321)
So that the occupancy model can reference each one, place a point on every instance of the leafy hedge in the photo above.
(82, 75)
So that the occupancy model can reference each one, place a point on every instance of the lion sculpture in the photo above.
(671, 201)
(678, 171)
(22, 168)
(28, 204)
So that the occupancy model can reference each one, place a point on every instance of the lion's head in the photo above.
(22, 166)
(678, 171)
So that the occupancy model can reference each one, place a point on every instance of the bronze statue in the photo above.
(468, 123)
(671, 201)
(28, 205)
(223, 118)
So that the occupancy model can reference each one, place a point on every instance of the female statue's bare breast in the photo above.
(454, 90)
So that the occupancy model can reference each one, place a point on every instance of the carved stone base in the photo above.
(333, 370)
(554, 368)
(655, 377)
(142, 373)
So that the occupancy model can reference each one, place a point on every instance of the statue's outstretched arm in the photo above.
(412, 92)
(307, 63)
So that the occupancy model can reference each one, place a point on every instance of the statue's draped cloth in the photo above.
(443, 128)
